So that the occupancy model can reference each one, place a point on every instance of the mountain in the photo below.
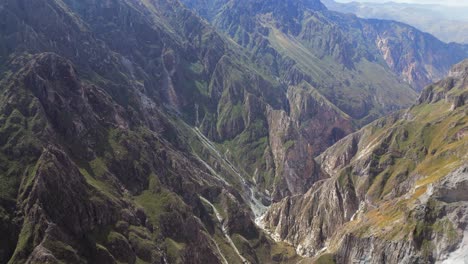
(134, 131)
(397, 187)
(273, 29)
(355, 68)
(100, 160)
(448, 23)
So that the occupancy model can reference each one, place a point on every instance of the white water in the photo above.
(225, 232)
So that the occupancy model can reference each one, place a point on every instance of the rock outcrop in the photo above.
(132, 131)
(98, 160)
(396, 192)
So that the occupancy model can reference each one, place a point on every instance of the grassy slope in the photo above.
(367, 79)
(424, 146)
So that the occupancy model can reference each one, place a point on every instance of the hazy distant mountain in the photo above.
(448, 23)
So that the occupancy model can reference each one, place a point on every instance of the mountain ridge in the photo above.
(423, 73)
(389, 196)
(134, 131)
(85, 116)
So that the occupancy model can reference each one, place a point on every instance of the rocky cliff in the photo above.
(396, 188)
(339, 68)
(132, 131)
(328, 89)
(322, 37)
(99, 160)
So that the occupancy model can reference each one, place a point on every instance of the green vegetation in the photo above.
(110, 116)
(248, 149)
(102, 186)
(445, 227)
(158, 202)
(284, 253)
(142, 247)
(174, 250)
(65, 253)
(289, 144)
(25, 242)
(423, 144)
(326, 259)
(344, 89)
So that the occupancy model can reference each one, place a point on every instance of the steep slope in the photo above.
(298, 42)
(330, 88)
(98, 160)
(397, 191)
(277, 29)
(131, 131)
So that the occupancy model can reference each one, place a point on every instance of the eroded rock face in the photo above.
(72, 209)
(291, 41)
(308, 220)
(395, 43)
(131, 131)
(378, 206)
(58, 179)
(442, 89)
(329, 62)
(441, 221)
(98, 158)
(453, 187)
(295, 139)
(373, 250)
